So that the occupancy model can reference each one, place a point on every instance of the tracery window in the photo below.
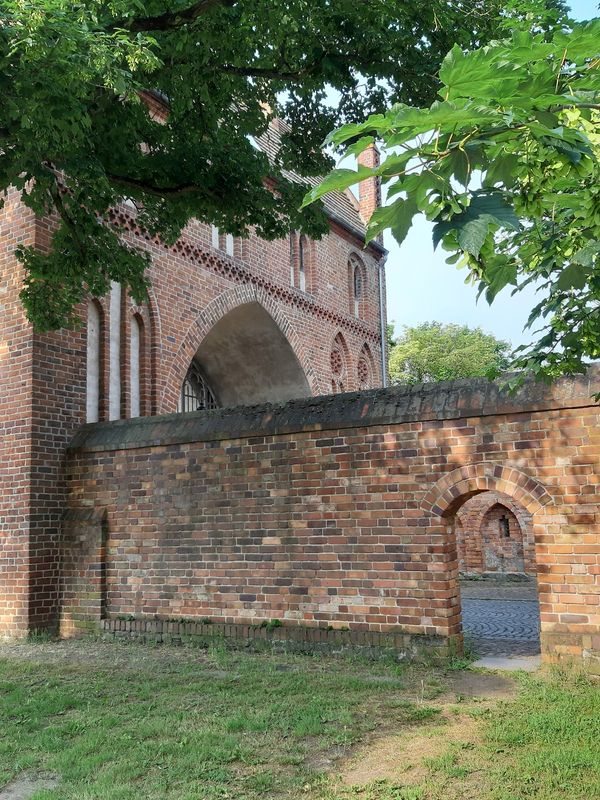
(196, 393)
(364, 368)
(337, 360)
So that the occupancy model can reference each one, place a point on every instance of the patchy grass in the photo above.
(123, 721)
(546, 744)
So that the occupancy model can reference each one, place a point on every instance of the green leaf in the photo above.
(471, 74)
(337, 180)
(398, 217)
(473, 224)
(359, 146)
(502, 170)
(573, 276)
(587, 255)
(580, 44)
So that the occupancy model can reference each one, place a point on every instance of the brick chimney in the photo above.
(369, 191)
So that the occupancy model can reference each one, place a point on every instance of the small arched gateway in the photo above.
(244, 359)
(491, 513)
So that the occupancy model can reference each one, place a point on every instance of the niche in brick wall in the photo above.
(494, 535)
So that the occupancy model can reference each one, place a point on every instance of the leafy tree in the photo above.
(433, 351)
(507, 165)
(77, 134)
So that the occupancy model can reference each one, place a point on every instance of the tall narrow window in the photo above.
(229, 244)
(94, 362)
(214, 236)
(114, 352)
(196, 394)
(358, 290)
(302, 256)
(292, 264)
(357, 285)
(365, 368)
(136, 345)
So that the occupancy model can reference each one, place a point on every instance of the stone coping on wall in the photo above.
(425, 402)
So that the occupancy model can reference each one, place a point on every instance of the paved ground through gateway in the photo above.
(501, 619)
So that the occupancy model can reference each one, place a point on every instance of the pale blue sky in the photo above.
(421, 287)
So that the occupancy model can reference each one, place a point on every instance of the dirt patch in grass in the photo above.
(404, 756)
(25, 786)
(408, 756)
(481, 685)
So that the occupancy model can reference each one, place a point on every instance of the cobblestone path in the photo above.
(495, 626)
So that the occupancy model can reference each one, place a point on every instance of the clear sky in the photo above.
(421, 287)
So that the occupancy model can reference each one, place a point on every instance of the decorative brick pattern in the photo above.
(340, 511)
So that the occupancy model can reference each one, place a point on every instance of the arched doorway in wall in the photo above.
(497, 576)
(498, 611)
(244, 359)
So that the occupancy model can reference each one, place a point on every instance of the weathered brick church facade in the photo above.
(228, 321)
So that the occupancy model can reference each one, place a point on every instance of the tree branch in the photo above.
(57, 201)
(169, 20)
(157, 191)
(279, 73)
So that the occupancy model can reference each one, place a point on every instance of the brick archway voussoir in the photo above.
(443, 498)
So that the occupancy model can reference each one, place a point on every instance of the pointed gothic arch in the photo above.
(365, 368)
(248, 350)
(339, 364)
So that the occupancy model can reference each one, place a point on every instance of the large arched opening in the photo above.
(493, 515)
(244, 359)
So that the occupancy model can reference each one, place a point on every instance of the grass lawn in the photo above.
(121, 721)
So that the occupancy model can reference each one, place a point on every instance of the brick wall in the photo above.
(494, 534)
(340, 511)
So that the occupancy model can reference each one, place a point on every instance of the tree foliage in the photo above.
(506, 163)
(433, 351)
(76, 135)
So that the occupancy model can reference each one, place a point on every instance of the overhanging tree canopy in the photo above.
(75, 135)
(507, 165)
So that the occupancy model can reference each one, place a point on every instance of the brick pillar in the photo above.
(42, 403)
(17, 226)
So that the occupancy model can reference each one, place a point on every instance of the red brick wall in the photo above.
(482, 547)
(339, 511)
